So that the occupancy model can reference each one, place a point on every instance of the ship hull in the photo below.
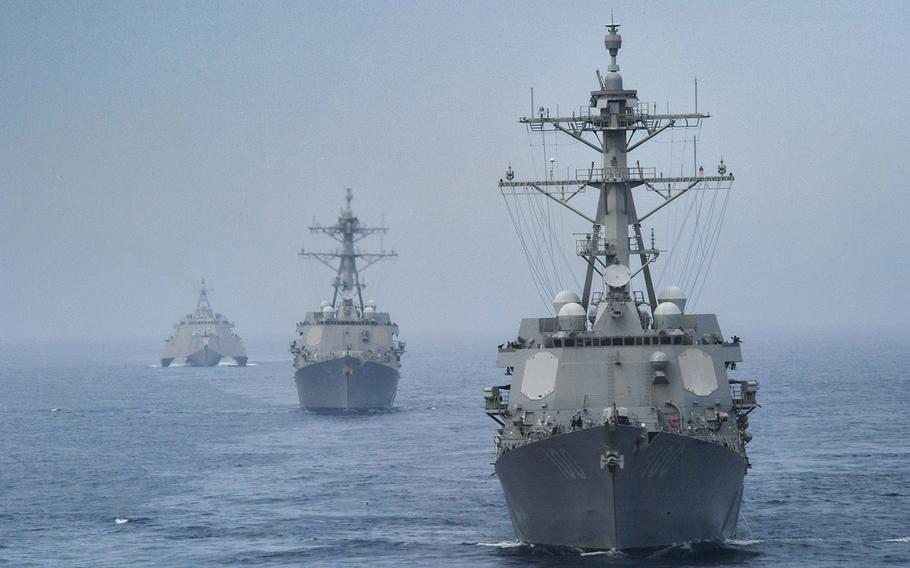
(346, 383)
(670, 490)
(203, 359)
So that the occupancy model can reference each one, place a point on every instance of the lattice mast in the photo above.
(609, 125)
(203, 307)
(348, 231)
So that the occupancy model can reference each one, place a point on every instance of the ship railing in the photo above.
(642, 115)
(543, 430)
(321, 321)
(520, 343)
(576, 121)
(584, 116)
(589, 114)
(615, 173)
(591, 341)
(588, 246)
(645, 108)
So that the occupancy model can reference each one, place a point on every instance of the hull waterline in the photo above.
(346, 383)
(205, 357)
(668, 490)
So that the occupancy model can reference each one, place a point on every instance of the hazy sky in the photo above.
(144, 146)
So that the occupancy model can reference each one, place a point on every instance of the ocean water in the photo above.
(106, 460)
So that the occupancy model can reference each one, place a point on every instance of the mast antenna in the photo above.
(203, 301)
(348, 231)
(614, 115)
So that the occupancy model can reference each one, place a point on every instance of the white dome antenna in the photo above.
(572, 317)
(667, 316)
(674, 295)
(563, 298)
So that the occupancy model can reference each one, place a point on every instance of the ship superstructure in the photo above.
(203, 338)
(348, 354)
(621, 428)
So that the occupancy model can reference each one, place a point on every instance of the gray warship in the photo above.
(203, 339)
(348, 354)
(621, 428)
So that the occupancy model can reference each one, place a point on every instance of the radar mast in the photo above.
(609, 125)
(203, 307)
(348, 231)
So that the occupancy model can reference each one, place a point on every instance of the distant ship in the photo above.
(203, 338)
(348, 354)
(621, 428)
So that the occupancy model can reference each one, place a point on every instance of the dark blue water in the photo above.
(105, 461)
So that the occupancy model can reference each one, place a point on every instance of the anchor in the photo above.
(611, 461)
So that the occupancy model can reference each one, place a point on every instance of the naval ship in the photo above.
(348, 354)
(203, 338)
(621, 428)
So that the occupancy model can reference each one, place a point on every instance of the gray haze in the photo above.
(144, 146)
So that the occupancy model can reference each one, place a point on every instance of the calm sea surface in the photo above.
(108, 461)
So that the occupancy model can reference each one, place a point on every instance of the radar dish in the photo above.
(617, 275)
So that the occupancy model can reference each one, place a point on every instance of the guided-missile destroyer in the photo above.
(621, 428)
(348, 354)
(203, 338)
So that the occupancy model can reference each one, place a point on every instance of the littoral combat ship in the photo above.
(203, 338)
(620, 428)
(348, 354)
